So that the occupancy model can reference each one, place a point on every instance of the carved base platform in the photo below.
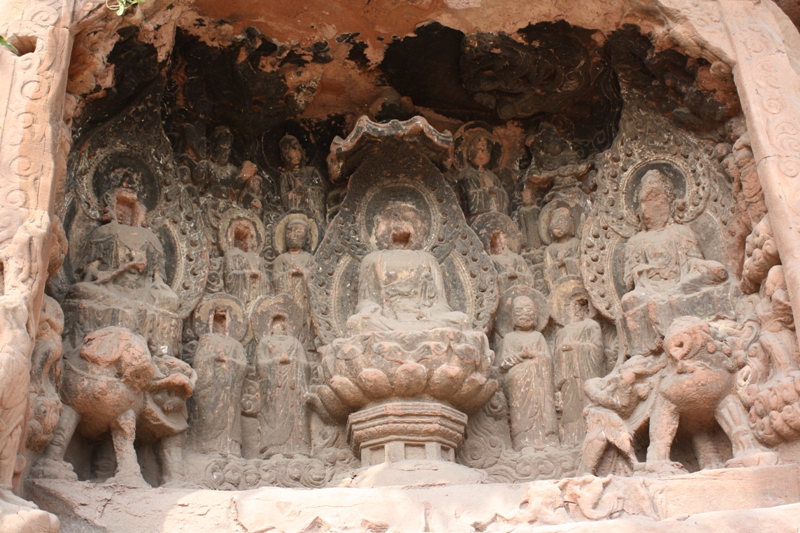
(397, 431)
(726, 500)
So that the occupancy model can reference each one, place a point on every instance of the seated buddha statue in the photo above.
(400, 285)
(665, 271)
(123, 272)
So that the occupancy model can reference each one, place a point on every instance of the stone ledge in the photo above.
(733, 499)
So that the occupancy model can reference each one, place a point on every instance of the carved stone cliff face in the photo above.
(342, 248)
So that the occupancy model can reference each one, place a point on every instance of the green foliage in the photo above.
(121, 6)
(4, 42)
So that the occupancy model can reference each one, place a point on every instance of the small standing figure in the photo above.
(482, 187)
(578, 358)
(283, 372)
(529, 382)
(562, 256)
(246, 274)
(290, 270)
(665, 270)
(216, 176)
(511, 267)
(501, 238)
(528, 219)
(301, 187)
(221, 365)
(46, 365)
(556, 166)
(253, 193)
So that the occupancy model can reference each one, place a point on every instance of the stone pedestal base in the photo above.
(399, 431)
(732, 500)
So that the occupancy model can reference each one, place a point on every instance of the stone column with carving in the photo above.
(765, 44)
(32, 167)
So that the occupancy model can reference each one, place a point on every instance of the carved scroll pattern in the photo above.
(768, 82)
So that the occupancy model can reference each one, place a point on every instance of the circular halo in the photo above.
(503, 320)
(563, 294)
(237, 320)
(485, 225)
(546, 214)
(464, 137)
(279, 231)
(401, 190)
(265, 308)
(631, 183)
(109, 171)
(235, 214)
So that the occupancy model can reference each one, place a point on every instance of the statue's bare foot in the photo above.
(46, 468)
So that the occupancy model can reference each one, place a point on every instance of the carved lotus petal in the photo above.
(375, 383)
(410, 380)
(471, 386)
(481, 397)
(349, 393)
(791, 415)
(335, 407)
(445, 381)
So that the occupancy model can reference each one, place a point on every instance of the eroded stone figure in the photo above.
(556, 167)
(528, 219)
(121, 329)
(290, 273)
(400, 286)
(578, 357)
(46, 365)
(512, 269)
(617, 406)
(216, 176)
(698, 387)
(283, 374)
(773, 371)
(528, 384)
(253, 193)
(665, 270)
(113, 384)
(245, 271)
(16, 344)
(221, 365)
(123, 280)
(301, 187)
(482, 187)
(562, 256)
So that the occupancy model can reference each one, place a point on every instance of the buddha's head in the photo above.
(399, 227)
(480, 151)
(561, 224)
(125, 208)
(655, 200)
(498, 242)
(292, 152)
(296, 235)
(523, 313)
(278, 325)
(579, 308)
(242, 235)
(219, 321)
